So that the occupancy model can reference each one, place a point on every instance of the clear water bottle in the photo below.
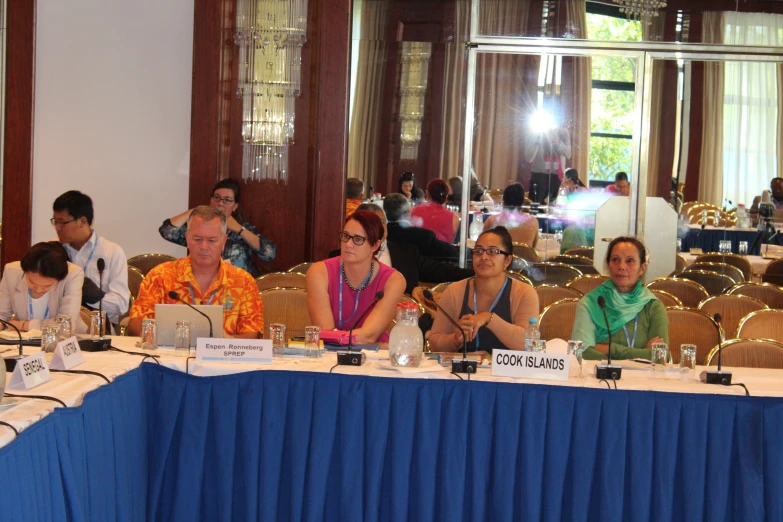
(477, 227)
(406, 342)
(532, 334)
(562, 198)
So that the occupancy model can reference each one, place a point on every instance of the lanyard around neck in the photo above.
(89, 258)
(193, 297)
(30, 306)
(630, 342)
(494, 303)
(356, 302)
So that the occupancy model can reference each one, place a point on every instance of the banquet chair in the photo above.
(525, 252)
(586, 283)
(775, 267)
(689, 326)
(496, 195)
(713, 282)
(773, 279)
(666, 298)
(135, 277)
(762, 324)
(280, 280)
(749, 353)
(581, 263)
(732, 308)
(301, 268)
(519, 277)
(770, 295)
(679, 264)
(741, 262)
(588, 252)
(550, 273)
(406, 299)
(418, 294)
(548, 294)
(287, 306)
(690, 293)
(146, 262)
(726, 269)
(557, 319)
(85, 315)
(438, 289)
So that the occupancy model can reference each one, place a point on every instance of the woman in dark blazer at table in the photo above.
(43, 285)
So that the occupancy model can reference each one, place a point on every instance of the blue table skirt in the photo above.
(277, 445)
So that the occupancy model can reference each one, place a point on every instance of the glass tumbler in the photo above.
(49, 337)
(539, 345)
(64, 325)
(660, 359)
(687, 362)
(97, 324)
(312, 342)
(277, 331)
(149, 334)
(743, 248)
(182, 336)
(575, 350)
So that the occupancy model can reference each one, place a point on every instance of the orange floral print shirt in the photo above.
(235, 289)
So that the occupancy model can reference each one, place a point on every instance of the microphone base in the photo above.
(10, 362)
(351, 358)
(464, 366)
(95, 345)
(715, 377)
(608, 372)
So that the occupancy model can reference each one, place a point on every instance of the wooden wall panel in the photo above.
(19, 103)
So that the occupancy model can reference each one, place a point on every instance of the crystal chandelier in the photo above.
(642, 10)
(413, 87)
(270, 35)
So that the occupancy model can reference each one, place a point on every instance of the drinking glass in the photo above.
(575, 350)
(182, 336)
(727, 247)
(539, 345)
(312, 342)
(687, 362)
(660, 359)
(64, 324)
(743, 248)
(97, 323)
(679, 245)
(277, 331)
(149, 334)
(704, 216)
(49, 337)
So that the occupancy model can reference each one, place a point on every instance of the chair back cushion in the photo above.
(732, 308)
(557, 319)
(749, 353)
(287, 306)
(763, 324)
(690, 293)
(688, 326)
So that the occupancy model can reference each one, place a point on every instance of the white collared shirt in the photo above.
(383, 254)
(115, 275)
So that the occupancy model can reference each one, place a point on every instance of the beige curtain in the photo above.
(454, 90)
(576, 21)
(364, 130)
(654, 173)
(780, 118)
(711, 164)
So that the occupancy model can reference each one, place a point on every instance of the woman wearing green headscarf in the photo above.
(636, 317)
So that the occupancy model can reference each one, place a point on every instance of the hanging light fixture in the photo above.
(641, 10)
(413, 88)
(270, 35)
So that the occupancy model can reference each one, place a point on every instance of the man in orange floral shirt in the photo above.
(222, 283)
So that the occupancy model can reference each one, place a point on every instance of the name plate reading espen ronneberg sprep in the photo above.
(254, 351)
(529, 365)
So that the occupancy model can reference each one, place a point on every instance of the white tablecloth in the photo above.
(759, 263)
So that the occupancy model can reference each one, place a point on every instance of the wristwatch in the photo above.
(241, 230)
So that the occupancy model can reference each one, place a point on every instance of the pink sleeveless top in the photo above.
(354, 303)
(436, 218)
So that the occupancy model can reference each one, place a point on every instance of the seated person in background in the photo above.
(493, 310)
(407, 187)
(407, 260)
(244, 239)
(775, 197)
(478, 192)
(203, 278)
(581, 233)
(43, 285)
(72, 220)
(636, 317)
(621, 187)
(455, 197)
(400, 230)
(571, 182)
(340, 289)
(433, 215)
(522, 227)
(354, 194)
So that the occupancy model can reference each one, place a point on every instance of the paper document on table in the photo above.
(11, 335)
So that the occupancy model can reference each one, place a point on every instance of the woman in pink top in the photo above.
(433, 215)
(340, 289)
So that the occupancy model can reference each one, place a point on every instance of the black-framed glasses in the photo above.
(357, 240)
(217, 199)
(491, 251)
(60, 223)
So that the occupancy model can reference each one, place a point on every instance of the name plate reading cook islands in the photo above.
(254, 351)
(530, 365)
(67, 355)
(30, 372)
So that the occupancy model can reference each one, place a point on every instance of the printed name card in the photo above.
(67, 355)
(30, 372)
(530, 365)
(255, 351)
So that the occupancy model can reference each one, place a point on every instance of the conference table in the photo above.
(183, 440)
(708, 240)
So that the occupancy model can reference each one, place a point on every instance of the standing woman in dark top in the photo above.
(244, 239)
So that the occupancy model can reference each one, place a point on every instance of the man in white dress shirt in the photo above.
(72, 219)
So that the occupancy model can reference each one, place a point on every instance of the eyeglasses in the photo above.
(491, 251)
(59, 223)
(217, 199)
(357, 240)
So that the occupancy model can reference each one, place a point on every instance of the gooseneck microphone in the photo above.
(174, 295)
(607, 371)
(10, 362)
(101, 267)
(102, 343)
(465, 365)
(349, 358)
(712, 376)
